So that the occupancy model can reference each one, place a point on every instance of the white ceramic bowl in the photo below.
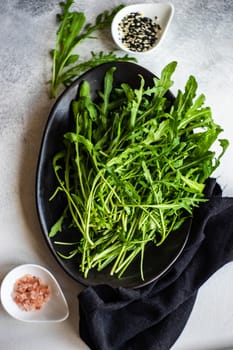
(164, 13)
(54, 310)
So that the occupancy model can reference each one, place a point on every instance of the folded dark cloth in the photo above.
(153, 317)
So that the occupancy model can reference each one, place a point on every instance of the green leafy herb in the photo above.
(133, 168)
(71, 32)
(96, 59)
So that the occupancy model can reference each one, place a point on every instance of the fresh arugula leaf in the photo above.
(68, 76)
(133, 171)
(71, 32)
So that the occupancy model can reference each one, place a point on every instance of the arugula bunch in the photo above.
(71, 32)
(133, 168)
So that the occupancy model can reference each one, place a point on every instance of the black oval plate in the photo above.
(157, 259)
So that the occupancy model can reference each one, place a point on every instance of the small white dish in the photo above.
(54, 310)
(164, 13)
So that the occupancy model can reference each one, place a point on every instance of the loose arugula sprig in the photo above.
(72, 31)
(96, 59)
(133, 168)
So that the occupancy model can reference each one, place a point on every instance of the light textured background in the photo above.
(200, 39)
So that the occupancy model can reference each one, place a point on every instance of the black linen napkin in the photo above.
(153, 317)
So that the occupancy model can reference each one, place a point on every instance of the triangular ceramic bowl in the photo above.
(163, 11)
(54, 310)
